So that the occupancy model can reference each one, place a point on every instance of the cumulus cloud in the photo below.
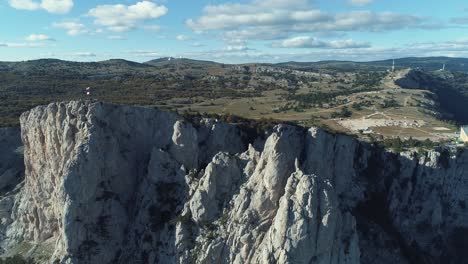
(453, 48)
(236, 48)
(120, 17)
(310, 42)
(24, 4)
(38, 37)
(57, 6)
(51, 6)
(73, 28)
(360, 2)
(183, 38)
(276, 19)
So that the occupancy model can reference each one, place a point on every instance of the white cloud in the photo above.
(183, 38)
(276, 19)
(360, 2)
(310, 42)
(51, 6)
(73, 28)
(457, 48)
(38, 37)
(24, 4)
(453, 48)
(236, 48)
(120, 17)
(57, 6)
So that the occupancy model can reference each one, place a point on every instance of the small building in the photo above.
(464, 134)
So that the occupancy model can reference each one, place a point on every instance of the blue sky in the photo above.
(232, 31)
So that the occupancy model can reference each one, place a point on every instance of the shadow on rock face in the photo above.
(11, 159)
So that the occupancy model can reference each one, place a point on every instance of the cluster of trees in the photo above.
(368, 79)
(325, 97)
(387, 103)
(344, 113)
(359, 105)
(398, 145)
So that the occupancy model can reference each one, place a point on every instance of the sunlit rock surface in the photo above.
(119, 184)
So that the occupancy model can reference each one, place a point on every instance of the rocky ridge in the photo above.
(119, 184)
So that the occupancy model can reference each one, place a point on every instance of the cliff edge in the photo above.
(119, 184)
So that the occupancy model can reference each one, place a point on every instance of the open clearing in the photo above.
(408, 116)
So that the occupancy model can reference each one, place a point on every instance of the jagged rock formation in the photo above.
(117, 184)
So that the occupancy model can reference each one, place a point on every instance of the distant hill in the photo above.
(26, 84)
(424, 63)
(120, 65)
(170, 61)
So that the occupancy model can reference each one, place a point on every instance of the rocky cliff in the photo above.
(11, 174)
(11, 157)
(447, 90)
(117, 184)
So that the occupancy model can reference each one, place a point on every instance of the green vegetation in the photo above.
(28, 84)
(344, 113)
(358, 106)
(296, 92)
(368, 80)
(388, 103)
(314, 98)
(399, 145)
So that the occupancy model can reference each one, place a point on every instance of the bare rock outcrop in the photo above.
(118, 184)
(11, 174)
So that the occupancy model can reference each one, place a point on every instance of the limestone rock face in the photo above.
(11, 174)
(97, 171)
(280, 214)
(118, 184)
